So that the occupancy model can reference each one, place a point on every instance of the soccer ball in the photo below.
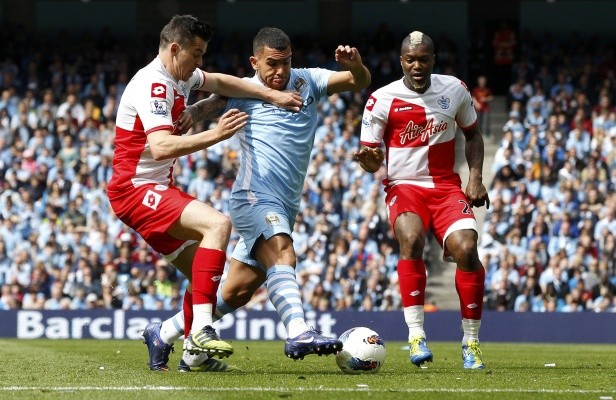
(363, 351)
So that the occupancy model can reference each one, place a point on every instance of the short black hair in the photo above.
(273, 38)
(183, 29)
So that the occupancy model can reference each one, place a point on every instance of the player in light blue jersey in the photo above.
(274, 157)
(275, 151)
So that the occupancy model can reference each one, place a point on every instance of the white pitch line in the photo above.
(282, 389)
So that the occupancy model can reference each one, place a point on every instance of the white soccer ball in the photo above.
(363, 351)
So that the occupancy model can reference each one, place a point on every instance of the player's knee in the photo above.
(411, 245)
(465, 254)
(468, 247)
(287, 255)
(278, 250)
(220, 225)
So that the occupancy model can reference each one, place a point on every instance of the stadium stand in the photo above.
(547, 241)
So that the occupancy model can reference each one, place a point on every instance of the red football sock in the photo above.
(412, 281)
(470, 288)
(188, 312)
(207, 269)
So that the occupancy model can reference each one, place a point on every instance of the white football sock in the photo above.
(194, 360)
(202, 316)
(470, 327)
(172, 328)
(414, 317)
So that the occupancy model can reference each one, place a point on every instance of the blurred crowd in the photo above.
(547, 244)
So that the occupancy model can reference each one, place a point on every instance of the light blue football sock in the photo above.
(283, 291)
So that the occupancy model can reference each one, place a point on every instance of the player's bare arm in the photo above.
(369, 158)
(354, 75)
(208, 108)
(232, 86)
(476, 192)
(164, 145)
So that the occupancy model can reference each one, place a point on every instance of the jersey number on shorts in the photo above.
(467, 208)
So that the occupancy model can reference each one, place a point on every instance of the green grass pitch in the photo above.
(116, 369)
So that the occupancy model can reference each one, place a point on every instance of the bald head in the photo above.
(416, 38)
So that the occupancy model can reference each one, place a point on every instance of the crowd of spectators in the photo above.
(61, 246)
(548, 243)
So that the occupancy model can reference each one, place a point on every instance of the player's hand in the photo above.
(348, 58)
(230, 122)
(477, 195)
(369, 158)
(185, 122)
(288, 100)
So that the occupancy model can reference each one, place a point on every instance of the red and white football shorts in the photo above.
(150, 210)
(443, 209)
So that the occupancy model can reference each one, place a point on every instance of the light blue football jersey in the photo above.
(276, 143)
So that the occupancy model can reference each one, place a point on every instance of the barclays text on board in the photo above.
(35, 325)
(128, 325)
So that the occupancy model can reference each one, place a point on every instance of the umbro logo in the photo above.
(415, 293)
(216, 278)
(472, 305)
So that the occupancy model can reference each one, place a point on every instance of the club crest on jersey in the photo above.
(272, 218)
(366, 121)
(370, 103)
(158, 107)
(151, 199)
(444, 102)
(159, 90)
(299, 84)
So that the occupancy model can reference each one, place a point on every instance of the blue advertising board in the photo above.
(265, 325)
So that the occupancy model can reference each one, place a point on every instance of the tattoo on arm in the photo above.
(208, 108)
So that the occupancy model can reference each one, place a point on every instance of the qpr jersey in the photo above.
(419, 130)
(152, 101)
(276, 144)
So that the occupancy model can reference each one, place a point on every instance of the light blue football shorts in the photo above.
(260, 216)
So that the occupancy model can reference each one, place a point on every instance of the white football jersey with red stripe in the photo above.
(152, 101)
(418, 130)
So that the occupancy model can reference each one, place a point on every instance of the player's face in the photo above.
(417, 64)
(273, 67)
(188, 58)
